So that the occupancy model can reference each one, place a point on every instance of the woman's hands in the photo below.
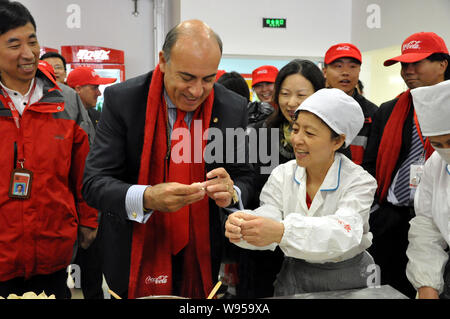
(428, 293)
(257, 231)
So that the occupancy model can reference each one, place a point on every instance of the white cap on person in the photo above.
(432, 106)
(338, 110)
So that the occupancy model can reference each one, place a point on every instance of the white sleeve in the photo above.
(425, 252)
(330, 236)
(271, 206)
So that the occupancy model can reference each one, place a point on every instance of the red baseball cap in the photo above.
(418, 47)
(84, 75)
(342, 50)
(47, 67)
(265, 73)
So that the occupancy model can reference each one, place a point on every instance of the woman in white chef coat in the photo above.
(429, 234)
(316, 207)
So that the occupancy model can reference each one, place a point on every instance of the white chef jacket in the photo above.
(429, 232)
(335, 228)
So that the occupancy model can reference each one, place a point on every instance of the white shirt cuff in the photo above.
(240, 205)
(134, 204)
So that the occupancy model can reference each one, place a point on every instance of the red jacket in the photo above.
(37, 234)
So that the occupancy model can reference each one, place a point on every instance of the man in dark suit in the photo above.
(395, 146)
(162, 223)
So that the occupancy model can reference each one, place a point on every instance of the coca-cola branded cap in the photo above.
(418, 47)
(265, 73)
(47, 67)
(342, 50)
(84, 75)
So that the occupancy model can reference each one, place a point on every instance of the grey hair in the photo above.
(172, 37)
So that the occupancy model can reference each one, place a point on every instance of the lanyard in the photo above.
(418, 128)
(16, 116)
(10, 104)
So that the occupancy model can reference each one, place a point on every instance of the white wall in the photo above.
(398, 20)
(107, 23)
(312, 26)
(382, 40)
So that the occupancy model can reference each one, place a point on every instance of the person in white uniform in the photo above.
(429, 234)
(316, 207)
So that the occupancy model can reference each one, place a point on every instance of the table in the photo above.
(379, 292)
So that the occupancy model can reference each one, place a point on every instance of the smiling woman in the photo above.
(315, 208)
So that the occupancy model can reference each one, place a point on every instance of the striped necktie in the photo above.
(401, 189)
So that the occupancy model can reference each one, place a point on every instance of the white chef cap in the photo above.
(338, 110)
(432, 105)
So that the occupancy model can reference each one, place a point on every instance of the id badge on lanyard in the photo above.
(416, 169)
(21, 178)
(416, 172)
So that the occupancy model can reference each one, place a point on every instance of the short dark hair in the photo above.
(441, 57)
(235, 82)
(344, 57)
(54, 55)
(14, 15)
(172, 37)
(306, 68)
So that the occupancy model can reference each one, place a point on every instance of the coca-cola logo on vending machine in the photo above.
(93, 55)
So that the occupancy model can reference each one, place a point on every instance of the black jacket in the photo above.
(359, 144)
(379, 122)
(258, 112)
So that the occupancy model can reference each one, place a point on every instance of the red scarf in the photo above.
(391, 143)
(151, 256)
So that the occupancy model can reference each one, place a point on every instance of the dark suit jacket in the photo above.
(94, 115)
(113, 164)
(380, 119)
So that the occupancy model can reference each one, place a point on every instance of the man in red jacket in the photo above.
(43, 149)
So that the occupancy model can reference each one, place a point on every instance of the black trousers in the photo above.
(55, 283)
(389, 226)
(257, 271)
(90, 264)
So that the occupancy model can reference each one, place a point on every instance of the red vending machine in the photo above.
(107, 62)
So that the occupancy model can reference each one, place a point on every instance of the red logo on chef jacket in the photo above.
(347, 227)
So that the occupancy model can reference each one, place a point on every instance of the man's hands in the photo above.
(257, 231)
(219, 187)
(170, 197)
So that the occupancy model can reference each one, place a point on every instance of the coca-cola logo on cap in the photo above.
(414, 45)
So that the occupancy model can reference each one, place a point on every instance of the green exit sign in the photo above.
(274, 23)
